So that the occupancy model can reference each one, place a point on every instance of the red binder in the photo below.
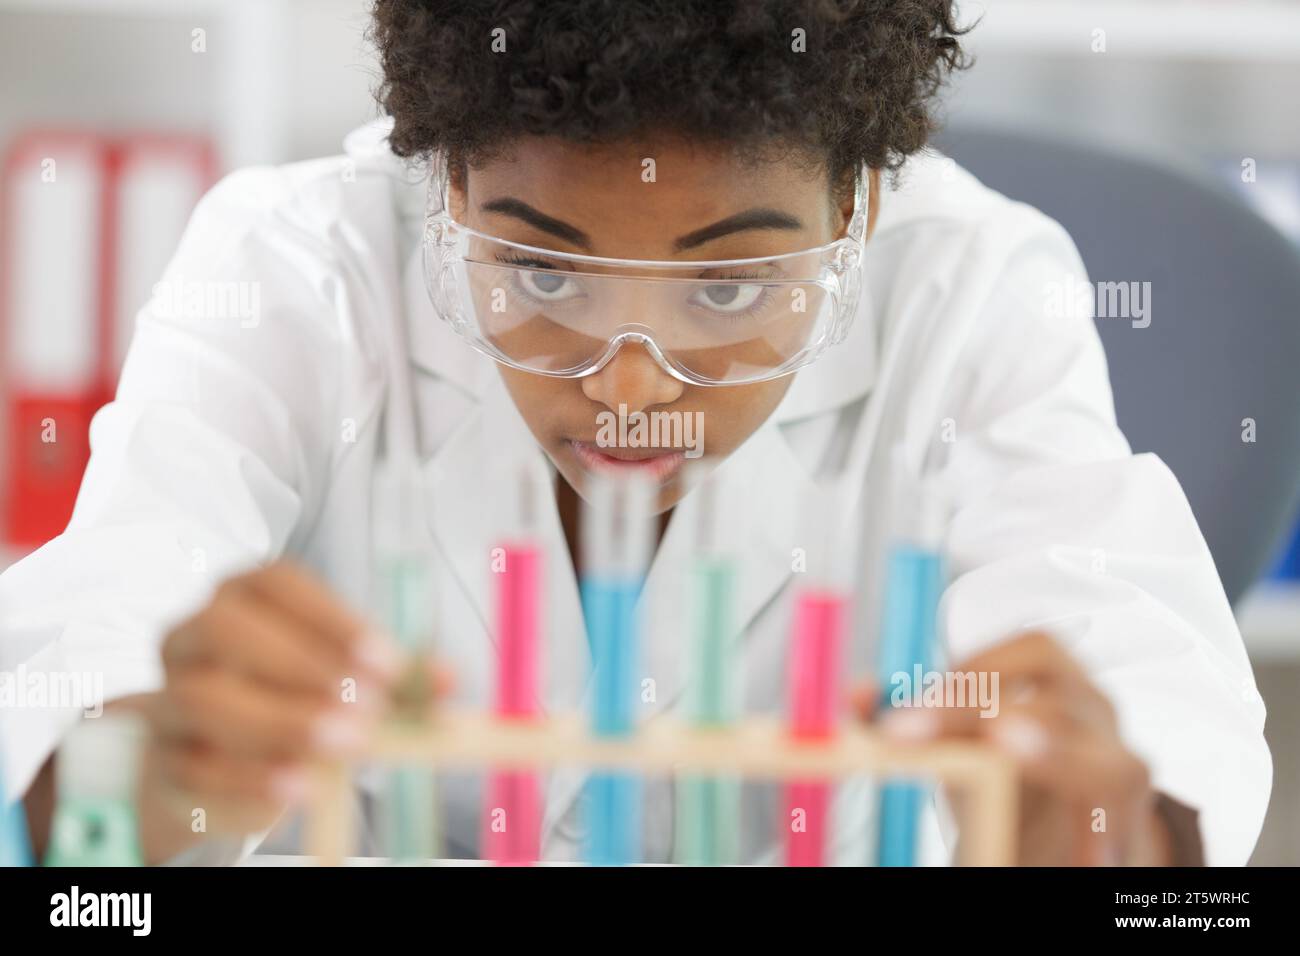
(71, 262)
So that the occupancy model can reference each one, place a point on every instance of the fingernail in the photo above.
(1021, 736)
(379, 655)
(289, 785)
(336, 733)
(907, 723)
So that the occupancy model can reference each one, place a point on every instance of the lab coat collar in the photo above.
(435, 348)
(368, 150)
(844, 373)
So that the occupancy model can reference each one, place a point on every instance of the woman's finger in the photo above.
(235, 794)
(1031, 657)
(268, 645)
(299, 594)
(226, 711)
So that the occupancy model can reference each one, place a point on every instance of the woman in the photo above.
(230, 479)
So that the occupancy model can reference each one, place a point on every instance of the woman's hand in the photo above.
(274, 673)
(1086, 800)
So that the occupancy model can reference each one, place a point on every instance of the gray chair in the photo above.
(1224, 340)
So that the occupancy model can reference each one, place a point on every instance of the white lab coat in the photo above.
(232, 442)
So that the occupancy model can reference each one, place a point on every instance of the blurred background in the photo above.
(142, 103)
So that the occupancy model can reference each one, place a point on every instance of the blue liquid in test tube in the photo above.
(609, 605)
(616, 543)
(913, 585)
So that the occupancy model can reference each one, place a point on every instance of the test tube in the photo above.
(96, 775)
(403, 603)
(816, 657)
(512, 821)
(914, 581)
(708, 807)
(617, 541)
(15, 847)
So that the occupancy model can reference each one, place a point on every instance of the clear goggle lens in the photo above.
(561, 322)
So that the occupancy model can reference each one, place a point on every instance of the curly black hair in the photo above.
(860, 90)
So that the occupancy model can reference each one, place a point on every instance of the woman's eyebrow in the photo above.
(518, 209)
(760, 217)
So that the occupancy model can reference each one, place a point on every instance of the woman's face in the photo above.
(702, 204)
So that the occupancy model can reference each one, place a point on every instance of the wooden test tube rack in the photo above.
(759, 748)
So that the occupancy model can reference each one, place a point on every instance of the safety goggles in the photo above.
(716, 322)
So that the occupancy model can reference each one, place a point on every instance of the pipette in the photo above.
(914, 582)
(512, 818)
(96, 774)
(616, 537)
(403, 602)
(708, 807)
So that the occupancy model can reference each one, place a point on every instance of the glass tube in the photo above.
(513, 804)
(817, 643)
(914, 582)
(15, 846)
(617, 540)
(96, 774)
(403, 603)
(708, 807)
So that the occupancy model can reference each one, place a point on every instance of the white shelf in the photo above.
(249, 114)
(1269, 618)
(129, 8)
(1212, 30)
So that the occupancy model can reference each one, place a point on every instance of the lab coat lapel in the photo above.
(470, 478)
(761, 494)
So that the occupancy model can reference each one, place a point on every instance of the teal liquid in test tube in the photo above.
(403, 603)
(914, 582)
(408, 806)
(616, 533)
(96, 774)
(708, 807)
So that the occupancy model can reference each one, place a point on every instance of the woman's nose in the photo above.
(634, 379)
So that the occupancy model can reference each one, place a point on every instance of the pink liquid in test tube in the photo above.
(814, 701)
(518, 598)
(512, 821)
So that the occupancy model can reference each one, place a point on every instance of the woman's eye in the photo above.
(729, 298)
(551, 286)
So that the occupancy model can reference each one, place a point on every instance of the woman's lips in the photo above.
(659, 465)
